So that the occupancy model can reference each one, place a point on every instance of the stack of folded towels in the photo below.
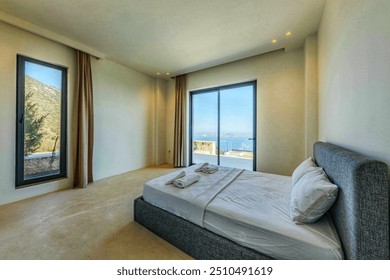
(206, 168)
(182, 180)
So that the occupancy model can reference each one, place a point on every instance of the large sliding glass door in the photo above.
(205, 127)
(223, 126)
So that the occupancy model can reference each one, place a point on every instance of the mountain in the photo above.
(48, 103)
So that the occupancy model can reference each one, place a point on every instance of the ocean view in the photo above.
(229, 143)
(222, 126)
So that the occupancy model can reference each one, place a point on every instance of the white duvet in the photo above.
(250, 208)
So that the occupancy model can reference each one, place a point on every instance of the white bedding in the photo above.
(252, 210)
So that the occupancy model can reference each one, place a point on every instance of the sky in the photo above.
(44, 74)
(236, 109)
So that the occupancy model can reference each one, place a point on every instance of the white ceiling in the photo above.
(176, 36)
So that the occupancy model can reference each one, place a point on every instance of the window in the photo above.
(223, 126)
(41, 121)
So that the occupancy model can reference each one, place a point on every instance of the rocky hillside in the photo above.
(48, 100)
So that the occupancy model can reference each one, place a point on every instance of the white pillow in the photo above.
(306, 166)
(311, 197)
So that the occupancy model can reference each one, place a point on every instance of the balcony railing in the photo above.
(207, 151)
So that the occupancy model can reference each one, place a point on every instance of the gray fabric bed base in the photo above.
(360, 213)
(190, 238)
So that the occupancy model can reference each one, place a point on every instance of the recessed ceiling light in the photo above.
(158, 74)
(167, 73)
(273, 41)
(288, 33)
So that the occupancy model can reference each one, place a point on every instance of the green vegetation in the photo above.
(32, 127)
(42, 117)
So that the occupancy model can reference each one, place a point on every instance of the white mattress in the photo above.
(252, 211)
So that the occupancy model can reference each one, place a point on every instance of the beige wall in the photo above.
(160, 120)
(170, 120)
(129, 113)
(311, 93)
(354, 76)
(280, 104)
(15, 41)
(124, 105)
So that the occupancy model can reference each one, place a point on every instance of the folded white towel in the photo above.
(210, 169)
(180, 175)
(186, 181)
(199, 169)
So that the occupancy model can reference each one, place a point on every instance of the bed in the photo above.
(359, 216)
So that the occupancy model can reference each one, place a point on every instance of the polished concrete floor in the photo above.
(77, 224)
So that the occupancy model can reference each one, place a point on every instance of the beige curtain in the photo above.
(84, 122)
(178, 143)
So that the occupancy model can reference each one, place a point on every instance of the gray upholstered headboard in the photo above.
(361, 212)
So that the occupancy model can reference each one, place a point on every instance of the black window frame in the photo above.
(218, 89)
(20, 181)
